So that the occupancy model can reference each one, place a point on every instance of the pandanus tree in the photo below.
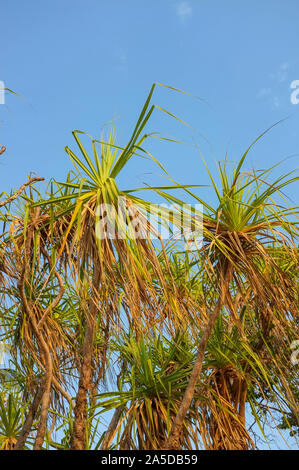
(240, 236)
(107, 246)
(223, 421)
(33, 290)
(151, 382)
(229, 376)
(79, 266)
(241, 358)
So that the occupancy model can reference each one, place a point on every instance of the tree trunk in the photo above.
(45, 403)
(173, 442)
(112, 427)
(45, 387)
(79, 430)
(29, 420)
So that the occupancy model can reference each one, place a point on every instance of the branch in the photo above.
(17, 194)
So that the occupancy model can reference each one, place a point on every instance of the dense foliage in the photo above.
(127, 342)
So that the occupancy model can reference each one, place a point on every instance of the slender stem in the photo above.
(45, 352)
(174, 439)
(45, 403)
(79, 430)
(20, 190)
(112, 428)
(29, 420)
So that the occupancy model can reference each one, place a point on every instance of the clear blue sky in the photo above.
(79, 63)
